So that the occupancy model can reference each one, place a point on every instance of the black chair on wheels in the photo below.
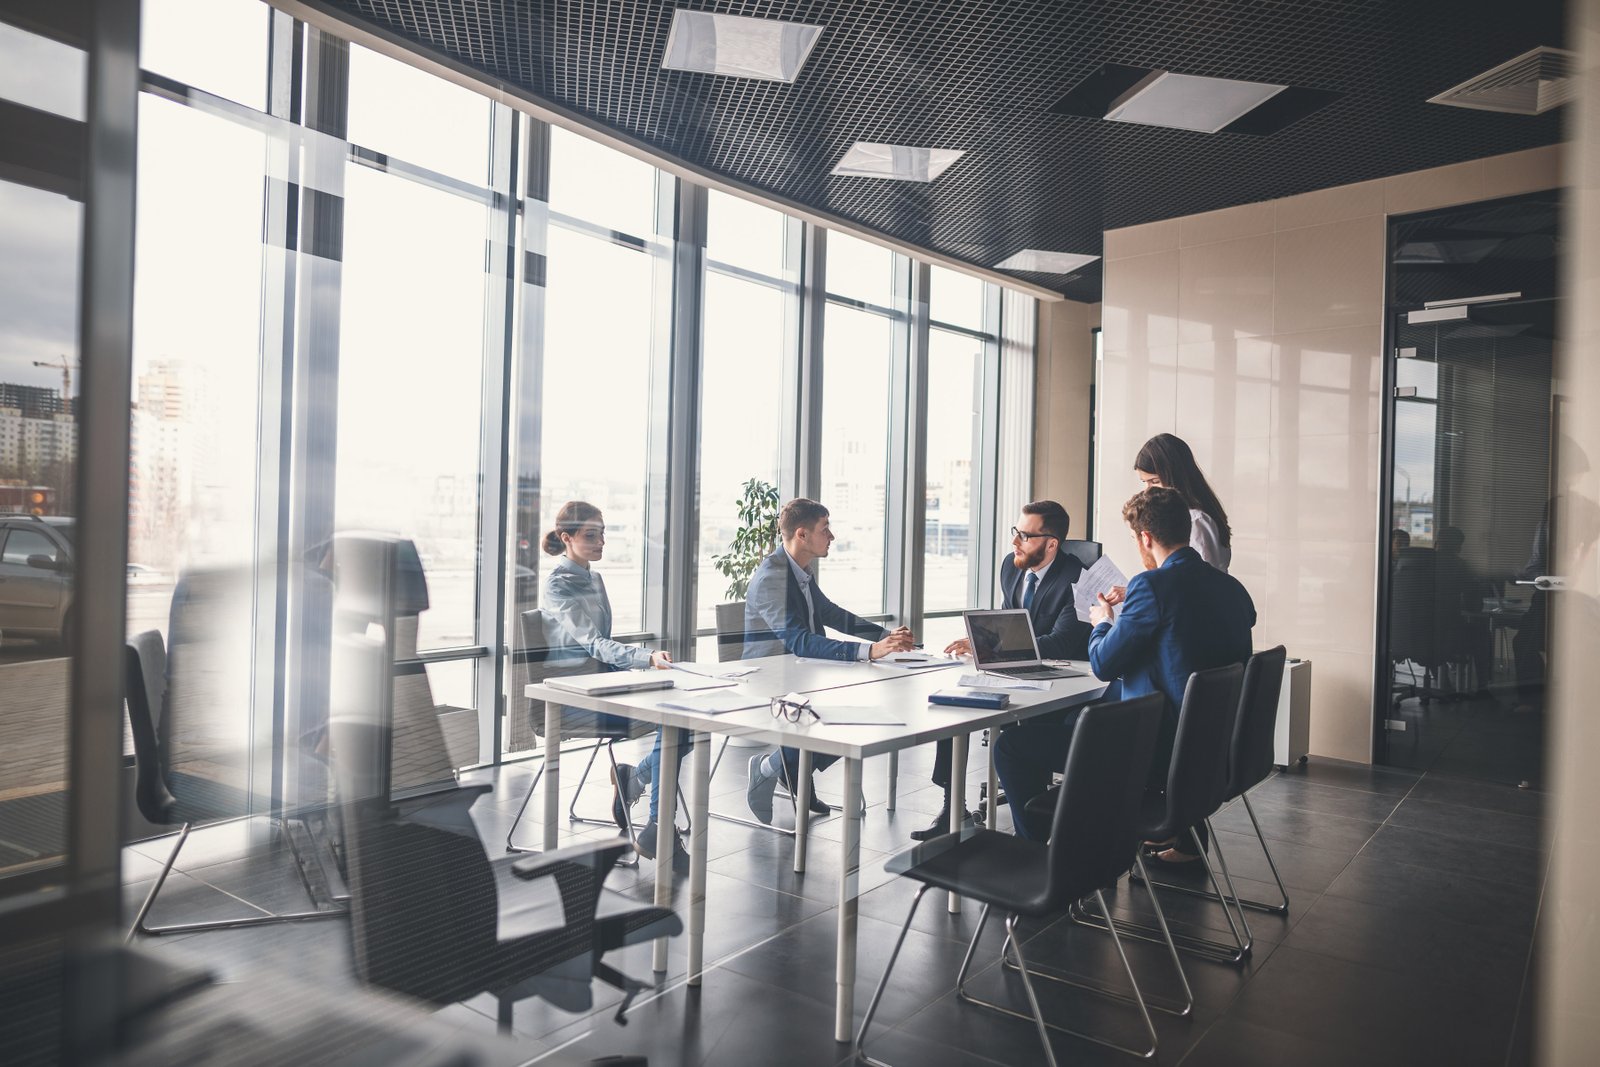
(543, 660)
(145, 682)
(1197, 781)
(433, 918)
(1250, 761)
(1094, 840)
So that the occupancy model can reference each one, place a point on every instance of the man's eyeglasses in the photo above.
(793, 710)
(1025, 536)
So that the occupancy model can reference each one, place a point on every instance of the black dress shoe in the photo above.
(940, 827)
(817, 805)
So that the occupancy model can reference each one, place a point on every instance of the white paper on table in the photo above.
(995, 681)
(718, 671)
(699, 683)
(913, 661)
(1098, 579)
(859, 716)
(715, 703)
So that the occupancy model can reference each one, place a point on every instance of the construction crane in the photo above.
(66, 378)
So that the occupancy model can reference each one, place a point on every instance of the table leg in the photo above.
(958, 795)
(666, 818)
(802, 811)
(700, 817)
(552, 775)
(992, 816)
(849, 885)
(894, 776)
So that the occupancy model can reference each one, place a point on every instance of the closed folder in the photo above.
(970, 698)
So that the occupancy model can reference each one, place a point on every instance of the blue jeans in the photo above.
(650, 767)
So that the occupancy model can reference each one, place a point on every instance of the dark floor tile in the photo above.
(1470, 793)
(1365, 777)
(1404, 888)
(183, 900)
(1476, 823)
(317, 953)
(1433, 950)
(1458, 855)
(1300, 866)
(1375, 1015)
(769, 861)
(902, 1047)
(1233, 1042)
(890, 902)
(1282, 822)
(218, 842)
(1197, 917)
(271, 881)
(1307, 795)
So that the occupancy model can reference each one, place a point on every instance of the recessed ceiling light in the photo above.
(737, 46)
(896, 162)
(1039, 262)
(1189, 101)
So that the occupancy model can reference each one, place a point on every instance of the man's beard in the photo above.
(1146, 557)
(1023, 560)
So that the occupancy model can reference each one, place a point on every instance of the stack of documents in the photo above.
(1000, 681)
(715, 703)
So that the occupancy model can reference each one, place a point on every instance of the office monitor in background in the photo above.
(1003, 643)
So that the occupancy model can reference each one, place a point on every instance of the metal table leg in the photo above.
(958, 796)
(699, 805)
(844, 1008)
(552, 775)
(666, 819)
(802, 810)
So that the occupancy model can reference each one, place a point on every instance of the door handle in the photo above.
(1547, 582)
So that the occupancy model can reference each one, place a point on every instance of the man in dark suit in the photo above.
(1037, 576)
(785, 611)
(1179, 615)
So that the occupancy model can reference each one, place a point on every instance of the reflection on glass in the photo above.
(859, 270)
(955, 299)
(955, 404)
(41, 73)
(744, 234)
(403, 112)
(597, 184)
(219, 46)
(741, 431)
(599, 324)
(38, 453)
(859, 347)
(410, 383)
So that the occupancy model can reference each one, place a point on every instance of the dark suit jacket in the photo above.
(1061, 634)
(776, 619)
(1182, 617)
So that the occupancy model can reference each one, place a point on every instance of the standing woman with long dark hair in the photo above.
(1167, 460)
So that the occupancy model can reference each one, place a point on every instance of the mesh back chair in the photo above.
(1094, 841)
(145, 682)
(1197, 782)
(433, 918)
(1251, 757)
(1085, 552)
(546, 660)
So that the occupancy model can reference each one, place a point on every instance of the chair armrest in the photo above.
(598, 856)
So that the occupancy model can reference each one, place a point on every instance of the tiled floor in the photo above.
(1413, 904)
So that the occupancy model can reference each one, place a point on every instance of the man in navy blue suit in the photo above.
(785, 611)
(1037, 576)
(1179, 615)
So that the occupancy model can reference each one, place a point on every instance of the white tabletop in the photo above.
(837, 685)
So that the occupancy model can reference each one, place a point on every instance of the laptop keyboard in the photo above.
(1026, 672)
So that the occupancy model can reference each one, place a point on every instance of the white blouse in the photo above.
(1205, 539)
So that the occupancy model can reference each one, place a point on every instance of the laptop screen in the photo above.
(1001, 637)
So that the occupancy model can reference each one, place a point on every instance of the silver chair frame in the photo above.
(572, 809)
(1258, 905)
(1219, 951)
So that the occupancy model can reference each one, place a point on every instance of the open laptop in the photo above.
(1003, 643)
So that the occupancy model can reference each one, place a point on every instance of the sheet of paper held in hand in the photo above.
(1098, 579)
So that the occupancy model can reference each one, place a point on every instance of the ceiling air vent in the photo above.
(1530, 84)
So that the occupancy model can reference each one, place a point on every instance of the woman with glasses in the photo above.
(574, 595)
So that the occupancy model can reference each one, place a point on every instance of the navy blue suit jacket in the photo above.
(776, 619)
(1061, 634)
(1182, 617)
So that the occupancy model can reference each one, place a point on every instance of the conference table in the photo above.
(896, 696)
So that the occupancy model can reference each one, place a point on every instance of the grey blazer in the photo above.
(575, 597)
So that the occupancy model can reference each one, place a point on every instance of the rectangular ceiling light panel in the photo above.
(1189, 101)
(896, 162)
(737, 46)
(1039, 262)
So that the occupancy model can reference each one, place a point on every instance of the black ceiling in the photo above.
(983, 75)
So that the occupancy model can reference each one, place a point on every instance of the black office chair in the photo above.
(544, 659)
(1251, 757)
(1094, 839)
(1085, 552)
(1197, 781)
(432, 918)
(145, 682)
